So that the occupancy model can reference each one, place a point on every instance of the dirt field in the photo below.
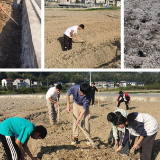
(142, 34)
(56, 146)
(101, 35)
(10, 36)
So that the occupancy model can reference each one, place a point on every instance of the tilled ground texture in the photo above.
(101, 36)
(56, 146)
(142, 34)
(10, 36)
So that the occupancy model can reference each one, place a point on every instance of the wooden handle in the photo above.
(84, 132)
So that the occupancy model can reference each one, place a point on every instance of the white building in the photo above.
(7, 82)
(110, 84)
(18, 83)
(122, 83)
(101, 84)
(27, 83)
(132, 83)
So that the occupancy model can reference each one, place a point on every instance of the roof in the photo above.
(8, 79)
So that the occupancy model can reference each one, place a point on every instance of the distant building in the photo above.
(131, 83)
(100, 84)
(18, 83)
(122, 83)
(27, 83)
(7, 82)
(140, 84)
(110, 84)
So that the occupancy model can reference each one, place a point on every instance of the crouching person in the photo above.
(139, 124)
(15, 133)
(117, 132)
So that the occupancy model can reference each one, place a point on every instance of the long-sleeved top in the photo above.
(125, 97)
(146, 125)
(78, 98)
(93, 89)
(115, 128)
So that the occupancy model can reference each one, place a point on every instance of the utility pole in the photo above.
(90, 78)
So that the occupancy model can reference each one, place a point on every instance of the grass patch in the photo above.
(96, 9)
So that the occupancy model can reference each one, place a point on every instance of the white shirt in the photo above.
(68, 31)
(51, 93)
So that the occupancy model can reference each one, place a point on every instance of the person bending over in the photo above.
(69, 35)
(123, 97)
(15, 133)
(142, 125)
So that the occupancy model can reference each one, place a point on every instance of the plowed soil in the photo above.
(101, 36)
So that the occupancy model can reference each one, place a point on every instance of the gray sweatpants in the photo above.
(52, 111)
(146, 147)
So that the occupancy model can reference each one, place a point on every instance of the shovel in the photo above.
(8, 15)
(84, 132)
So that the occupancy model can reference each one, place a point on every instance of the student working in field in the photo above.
(81, 98)
(52, 95)
(117, 132)
(93, 89)
(69, 35)
(15, 133)
(123, 97)
(138, 124)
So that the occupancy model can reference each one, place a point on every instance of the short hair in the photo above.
(131, 119)
(85, 88)
(119, 119)
(111, 116)
(82, 26)
(93, 83)
(59, 86)
(41, 130)
(120, 92)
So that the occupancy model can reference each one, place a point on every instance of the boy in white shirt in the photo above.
(51, 97)
(69, 34)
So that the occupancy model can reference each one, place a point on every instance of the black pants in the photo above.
(67, 43)
(10, 147)
(126, 102)
(92, 98)
(146, 147)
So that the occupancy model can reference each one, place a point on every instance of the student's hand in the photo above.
(77, 38)
(116, 142)
(68, 109)
(57, 103)
(136, 146)
(119, 149)
(77, 122)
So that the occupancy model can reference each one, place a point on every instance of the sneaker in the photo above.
(75, 141)
(88, 142)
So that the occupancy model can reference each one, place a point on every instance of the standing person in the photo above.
(69, 35)
(81, 98)
(15, 133)
(139, 124)
(52, 95)
(117, 132)
(93, 89)
(124, 98)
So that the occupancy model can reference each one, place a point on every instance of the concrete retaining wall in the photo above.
(31, 35)
(102, 98)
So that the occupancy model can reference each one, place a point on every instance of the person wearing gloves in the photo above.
(117, 132)
(138, 124)
(15, 133)
(81, 101)
(69, 35)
